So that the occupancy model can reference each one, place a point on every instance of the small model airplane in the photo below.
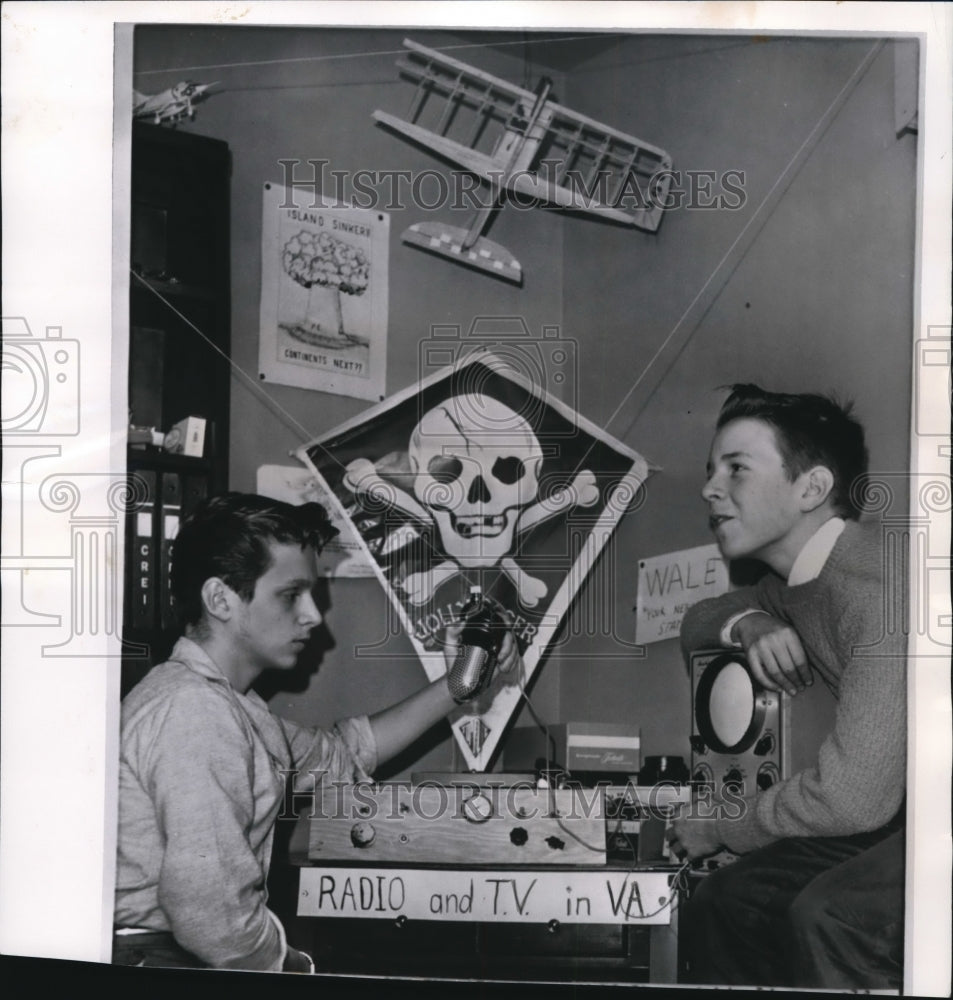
(525, 144)
(170, 105)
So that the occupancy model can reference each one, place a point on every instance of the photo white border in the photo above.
(59, 721)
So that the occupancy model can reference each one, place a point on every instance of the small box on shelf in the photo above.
(187, 437)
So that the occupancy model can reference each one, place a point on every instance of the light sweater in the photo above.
(200, 787)
(841, 616)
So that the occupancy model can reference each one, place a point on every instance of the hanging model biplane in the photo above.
(521, 144)
(170, 105)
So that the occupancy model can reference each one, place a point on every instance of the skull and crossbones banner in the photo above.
(476, 476)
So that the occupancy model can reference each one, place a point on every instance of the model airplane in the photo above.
(524, 144)
(170, 105)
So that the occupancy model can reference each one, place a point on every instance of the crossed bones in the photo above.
(362, 478)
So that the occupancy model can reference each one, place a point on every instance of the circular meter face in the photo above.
(478, 808)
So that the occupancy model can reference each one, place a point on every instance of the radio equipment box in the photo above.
(458, 824)
(581, 747)
(636, 820)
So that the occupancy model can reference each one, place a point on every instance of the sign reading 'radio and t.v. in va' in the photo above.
(670, 584)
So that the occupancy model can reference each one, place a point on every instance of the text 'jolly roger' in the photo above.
(476, 476)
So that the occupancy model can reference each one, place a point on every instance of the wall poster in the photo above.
(475, 476)
(324, 283)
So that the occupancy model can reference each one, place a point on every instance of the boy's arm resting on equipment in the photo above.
(703, 622)
(773, 648)
(774, 652)
(858, 780)
(211, 884)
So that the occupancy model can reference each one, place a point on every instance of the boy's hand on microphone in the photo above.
(508, 664)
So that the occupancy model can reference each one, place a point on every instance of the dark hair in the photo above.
(227, 536)
(810, 430)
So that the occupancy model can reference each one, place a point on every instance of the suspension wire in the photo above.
(732, 258)
(554, 40)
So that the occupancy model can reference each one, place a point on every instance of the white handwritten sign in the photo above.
(670, 584)
(526, 896)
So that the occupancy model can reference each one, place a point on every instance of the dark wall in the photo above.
(820, 299)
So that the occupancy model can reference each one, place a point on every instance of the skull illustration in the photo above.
(476, 465)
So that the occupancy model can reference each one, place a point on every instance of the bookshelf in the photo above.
(179, 300)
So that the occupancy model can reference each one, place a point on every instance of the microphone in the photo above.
(480, 643)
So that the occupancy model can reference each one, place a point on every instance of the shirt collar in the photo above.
(810, 560)
(195, 658)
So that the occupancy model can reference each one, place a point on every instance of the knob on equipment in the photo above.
(768, 774)
(362, 834)
(702, 775)
(735, 778)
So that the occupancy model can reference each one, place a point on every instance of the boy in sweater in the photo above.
(816, 899)
(203, 762)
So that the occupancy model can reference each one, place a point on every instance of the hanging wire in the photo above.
(539, 722)
(756, 221)
(819, 128)
(553, 40)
